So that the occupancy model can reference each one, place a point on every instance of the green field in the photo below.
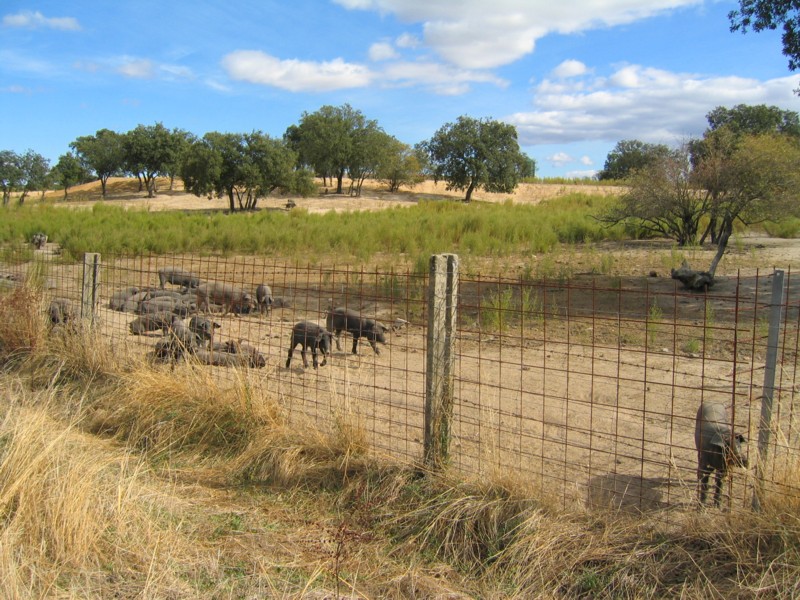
(428, 227)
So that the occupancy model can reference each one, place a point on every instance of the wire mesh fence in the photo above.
(588, 387)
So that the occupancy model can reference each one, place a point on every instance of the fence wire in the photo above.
(588, 387)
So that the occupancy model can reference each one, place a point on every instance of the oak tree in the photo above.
(475, 154)
(102, 153)
(241, 167)
(631, 155)
(69, 171)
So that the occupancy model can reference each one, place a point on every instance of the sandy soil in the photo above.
(122, 191)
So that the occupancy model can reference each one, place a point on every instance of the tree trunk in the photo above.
(231, 200)
(470, 189)
(339, 179)
(725, 233)
(103, 181)
(65, 192)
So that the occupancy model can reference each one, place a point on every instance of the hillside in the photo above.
(125, 192)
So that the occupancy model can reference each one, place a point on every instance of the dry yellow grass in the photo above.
(124, 192)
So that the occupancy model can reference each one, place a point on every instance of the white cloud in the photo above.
(439, 78)
(642, 103)
(176, 72)
(136, 68)
(407, 40)
(472, 34)
(559, 159)
(382, 51)
(586, 160)
(295, 75)
(302, 76)
(216, 85)
(569, 68)
(34, 20)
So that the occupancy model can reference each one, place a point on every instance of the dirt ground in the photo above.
(608, 424)
(123, 191)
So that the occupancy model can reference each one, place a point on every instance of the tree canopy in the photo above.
(69, 171)
(10, 173)
(630, 155)
(102, 153)
(476, 153)
(759, 15)
(662, 199)
(22, 173)
(243, 167)
(324, 139)
(755, 119)
(148, 151)
(401, 166)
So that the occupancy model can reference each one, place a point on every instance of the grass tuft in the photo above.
(23, 328)
(292, 454)
(162, 411)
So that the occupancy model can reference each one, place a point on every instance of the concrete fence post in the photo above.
(440, 359)
(768, 390)
(90, 287)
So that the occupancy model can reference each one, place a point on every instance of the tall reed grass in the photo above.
(423, 229)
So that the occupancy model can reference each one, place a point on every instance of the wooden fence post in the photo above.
(440, 360)
(90, 287)
(768, 390)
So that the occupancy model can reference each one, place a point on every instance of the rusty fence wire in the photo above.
(587, 387)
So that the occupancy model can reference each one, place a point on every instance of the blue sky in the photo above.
(574, 77)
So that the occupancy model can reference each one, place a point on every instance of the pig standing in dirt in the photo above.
(264, 298)
(231, 298)
(177, 276)
(310, 335)
(344, 319)
(717, 447)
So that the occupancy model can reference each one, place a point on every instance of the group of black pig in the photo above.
(164, 310)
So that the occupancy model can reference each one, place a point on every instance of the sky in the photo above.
(574, 77)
